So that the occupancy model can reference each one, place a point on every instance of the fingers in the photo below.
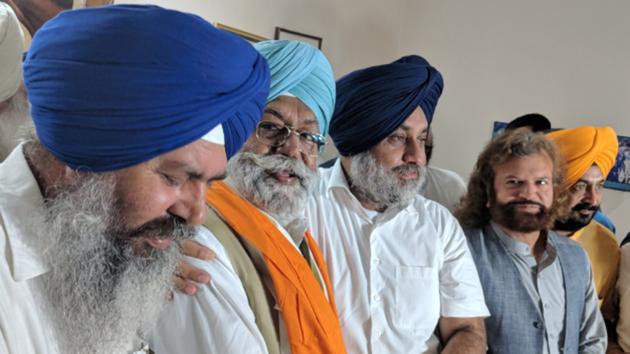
(189, 273)
(188, 276)
(186, 287)
(196, 250)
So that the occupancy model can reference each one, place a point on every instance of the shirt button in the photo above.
(376, 261)
(379, 333)
(537, 324)
(376, 297)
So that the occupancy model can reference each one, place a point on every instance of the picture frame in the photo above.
(284, 33)
(619, 175)
(248, 36)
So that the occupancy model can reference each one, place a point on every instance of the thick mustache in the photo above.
(407, 168)
(585, 206)
(272, 164)
(171, 227)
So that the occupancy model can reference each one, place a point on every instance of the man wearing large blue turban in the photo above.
(136, 109)
(270, 287)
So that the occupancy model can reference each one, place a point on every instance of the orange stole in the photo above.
(311, 320)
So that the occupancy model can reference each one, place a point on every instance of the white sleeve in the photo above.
(3, 344)
(217, 319)
(623, 287)
(461, 294)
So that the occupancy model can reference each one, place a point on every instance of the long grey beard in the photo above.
(250, 175)
(13, 119)
(381, 186)
(102, 296)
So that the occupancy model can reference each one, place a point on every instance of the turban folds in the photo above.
(114, 86)
(11, 40)
(303, 71)
(584, 146)
(375, 101)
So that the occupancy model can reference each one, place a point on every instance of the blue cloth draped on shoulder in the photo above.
(373, 102)
(114, 86)
(303, 71)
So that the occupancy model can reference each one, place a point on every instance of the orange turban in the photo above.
(584, 146)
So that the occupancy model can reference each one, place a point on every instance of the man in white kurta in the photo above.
(401, 270)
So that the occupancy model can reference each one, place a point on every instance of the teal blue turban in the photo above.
(303, 71)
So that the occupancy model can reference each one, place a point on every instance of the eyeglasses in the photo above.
(276, 135)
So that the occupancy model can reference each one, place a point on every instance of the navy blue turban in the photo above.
(112, 87)
(375, 101)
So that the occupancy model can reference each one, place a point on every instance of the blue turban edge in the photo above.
(375, 101)
(303, 71)
(115, 86)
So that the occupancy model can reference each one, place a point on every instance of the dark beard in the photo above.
(507, 216)
(575, 221)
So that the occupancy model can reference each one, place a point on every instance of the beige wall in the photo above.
(567, 59)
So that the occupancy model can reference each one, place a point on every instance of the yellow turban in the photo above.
(584, 146)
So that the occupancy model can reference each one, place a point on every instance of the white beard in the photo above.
(380, 185)
(100, 294)
(249, 174)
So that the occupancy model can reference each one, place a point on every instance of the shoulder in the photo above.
(477, 240)
(219, 267)
(567, 246)
(428, 206)
(603, 232)
(473, 232)
(431, 212)
(324, 175)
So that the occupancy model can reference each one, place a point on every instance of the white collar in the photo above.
(20, 198)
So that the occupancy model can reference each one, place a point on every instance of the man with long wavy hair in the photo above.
(538, 285)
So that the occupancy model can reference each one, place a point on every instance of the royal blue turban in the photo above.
(375, 101)
(114, 86)
(303, 71)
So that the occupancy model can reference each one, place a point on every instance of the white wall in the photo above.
(567, 59)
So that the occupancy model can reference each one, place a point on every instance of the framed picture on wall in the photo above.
(619, 176)
(283, 33)
(248, 36)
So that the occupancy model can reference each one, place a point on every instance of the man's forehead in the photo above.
(291, 110)
(415, 121)
(592, 175)
(201, 159)
(540, 162)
